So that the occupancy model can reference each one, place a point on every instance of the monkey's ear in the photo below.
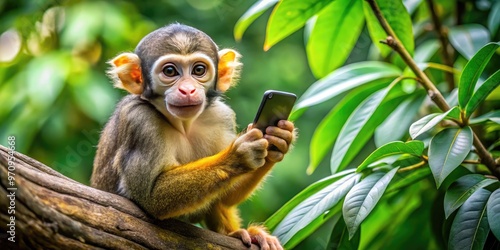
(126, 72)
(229, 69)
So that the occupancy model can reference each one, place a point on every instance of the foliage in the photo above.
(420, 147)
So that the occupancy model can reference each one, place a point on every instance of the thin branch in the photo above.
(412, 167)
(435, 95)
(442, 35)
(471, 162)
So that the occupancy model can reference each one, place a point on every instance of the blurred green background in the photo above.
(55, 97)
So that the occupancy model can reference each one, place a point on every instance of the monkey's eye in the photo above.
(170, 71)
(199, 70)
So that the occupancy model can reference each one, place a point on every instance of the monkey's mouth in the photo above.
(184, 110)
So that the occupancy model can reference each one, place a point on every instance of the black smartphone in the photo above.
(275, 106)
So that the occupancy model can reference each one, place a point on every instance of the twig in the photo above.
(435, 95)
(412, 167)
(445, 53)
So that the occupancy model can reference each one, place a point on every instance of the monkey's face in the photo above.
(183, 81)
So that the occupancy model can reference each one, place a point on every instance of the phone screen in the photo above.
(275, 106)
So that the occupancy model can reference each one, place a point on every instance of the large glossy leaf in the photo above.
(313, 207)
(493, 211)
(353, 126)
(485, 117)
(332, 214)
(398, 18)
(472, 71)
(462, 189)
(327, 131)
(482, 92)
(447, 150)
(277, 217)
(345, 79)
(249, 17)
(470, 226)
(289, 16)
(363, 197)
(468, 39)
(429, 121)
(339, 239)
(393, 148)
(335, 33)
(396, 125)
(360, 127)
(494, 19)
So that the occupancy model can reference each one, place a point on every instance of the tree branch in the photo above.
(435, 95)
(445, 53)
(55, 212)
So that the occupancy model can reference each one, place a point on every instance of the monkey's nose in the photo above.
(187, 90)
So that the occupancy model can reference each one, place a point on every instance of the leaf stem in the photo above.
(442, 67)
(442, 35)
(412, 167)
(435, 95)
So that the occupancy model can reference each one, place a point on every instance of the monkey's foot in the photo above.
(257, 235)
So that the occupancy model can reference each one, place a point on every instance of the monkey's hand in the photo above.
(257, 235)
(251, 148)
(280, 137)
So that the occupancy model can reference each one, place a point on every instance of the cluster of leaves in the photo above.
(381, 101)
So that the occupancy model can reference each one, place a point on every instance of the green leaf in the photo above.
(345, 79)
(289, 16)
(398, 18)
(356, 121)
(249, 17)
(327, 131)
(361, 125)
(494, 21)
(363, 197)
(313, 207)
(470, 226)
(485, 117)
(339, 237)
(460, 190)
(333, 214)
(468, 39)
(412, 177)
(493, 211)
(429, 121)
(447, 150)
(335, 32)
(277, 217)
(393, 148)
(397, 123)
(482, 92)
(472, 71)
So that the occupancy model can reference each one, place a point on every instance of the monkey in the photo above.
(171, 144)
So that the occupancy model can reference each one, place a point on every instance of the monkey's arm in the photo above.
(171, 191)
(281, 137)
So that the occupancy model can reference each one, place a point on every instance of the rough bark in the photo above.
(56, 212)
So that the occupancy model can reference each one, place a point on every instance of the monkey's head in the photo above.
(177, 68)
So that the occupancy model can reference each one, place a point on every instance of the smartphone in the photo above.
(275, 106)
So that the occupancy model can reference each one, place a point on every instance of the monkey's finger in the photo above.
(254, 134)
(281, 133)
(243, 235)
(286, 125)
(274, 156)
(280, 143)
